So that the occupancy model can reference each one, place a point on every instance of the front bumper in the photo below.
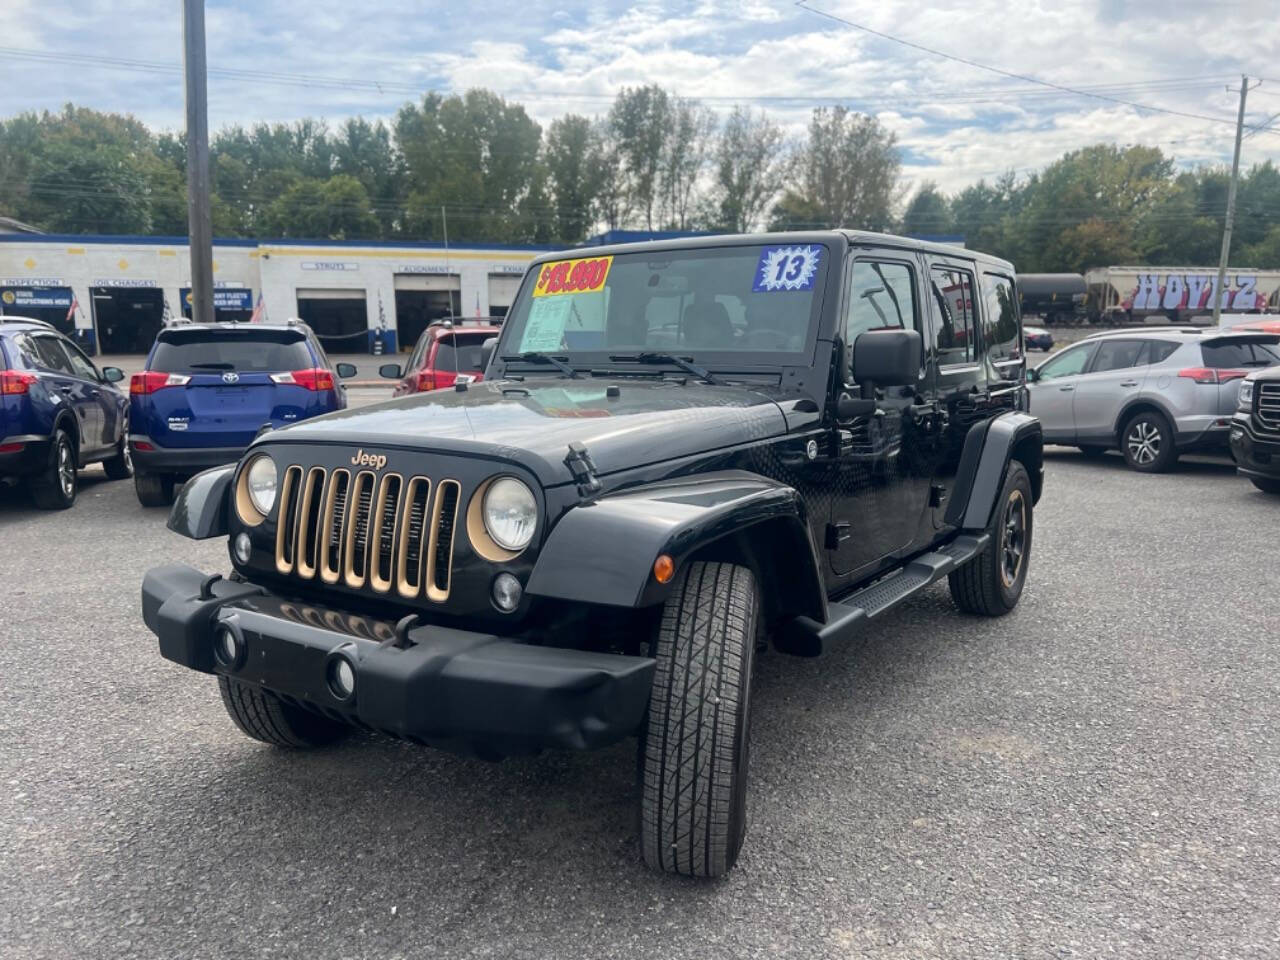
(1255, 454)
(463, 691)
(185, 460)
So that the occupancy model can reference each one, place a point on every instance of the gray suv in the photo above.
(1152, 394)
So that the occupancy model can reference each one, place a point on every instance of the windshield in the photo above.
(199, 351)
(734, 300)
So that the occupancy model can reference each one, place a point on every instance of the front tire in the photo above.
(1147, 443)
(694, 754)
(120, 467)
(154, 489)
(1266, 484)
(991, 583)
(261, 715)
(55, 488)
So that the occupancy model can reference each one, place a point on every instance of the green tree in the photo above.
(750, 164)
(1265, 254)
(640, 121)
(684, 158)
(928, 212)
(575, 175)
(334, 209)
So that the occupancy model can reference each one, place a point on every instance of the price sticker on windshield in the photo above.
(572, 276)
(786, 268)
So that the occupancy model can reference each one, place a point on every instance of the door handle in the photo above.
(1066, 389)
(1129, 383)
(66, 391)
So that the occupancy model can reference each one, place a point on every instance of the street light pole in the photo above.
(199, 225)
(1231, 209)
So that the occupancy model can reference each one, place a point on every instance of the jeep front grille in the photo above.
(1269, 403)
(361, 530)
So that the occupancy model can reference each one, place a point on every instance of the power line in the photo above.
(1026, 78)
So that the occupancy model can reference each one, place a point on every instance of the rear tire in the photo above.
(154, 489)
(694, 753)
(55, 487)
(1147, 443)
(261, 715)
(991, 583)
(120, 467)
(1266, 484)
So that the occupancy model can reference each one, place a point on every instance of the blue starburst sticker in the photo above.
(786, 268)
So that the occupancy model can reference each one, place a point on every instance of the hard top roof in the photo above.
(853, 237)
(1214, 333)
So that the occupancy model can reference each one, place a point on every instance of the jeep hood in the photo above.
(532, 422)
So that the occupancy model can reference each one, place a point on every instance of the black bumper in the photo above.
(463, 691)
(32, 458)
(179, 459)
(1256, 455)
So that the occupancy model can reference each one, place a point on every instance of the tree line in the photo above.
(476, 166)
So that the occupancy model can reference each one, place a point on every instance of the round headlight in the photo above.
(261, 483)
(510, 513)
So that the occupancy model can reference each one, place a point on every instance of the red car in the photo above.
(446, 350)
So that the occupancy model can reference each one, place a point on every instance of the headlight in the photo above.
(1246, 394)
(510, 513)
(260, 479)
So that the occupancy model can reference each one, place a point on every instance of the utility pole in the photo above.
(199, 225)
(1231, 209)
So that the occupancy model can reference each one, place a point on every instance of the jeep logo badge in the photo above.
(362, 459)
(231, 377)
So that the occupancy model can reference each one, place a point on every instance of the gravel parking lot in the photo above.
(1098, 773)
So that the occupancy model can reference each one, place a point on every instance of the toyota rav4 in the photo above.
(682, 452)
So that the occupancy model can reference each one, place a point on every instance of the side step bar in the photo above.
(808, 638)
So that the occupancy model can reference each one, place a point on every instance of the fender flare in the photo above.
(603, 552)
(200, 511)
(1141, 401)
(988, 448)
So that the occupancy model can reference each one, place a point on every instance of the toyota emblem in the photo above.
(231, 377)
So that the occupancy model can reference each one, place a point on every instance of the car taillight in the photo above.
(1211, 374)
(426, 380)
(149, 381)
(16, 381)
(315, 378)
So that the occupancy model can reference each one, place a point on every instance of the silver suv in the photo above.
(1152, 393)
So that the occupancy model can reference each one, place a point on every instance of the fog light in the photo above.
(506, 592)
(242, 548)
(342, 678)
(227, 648)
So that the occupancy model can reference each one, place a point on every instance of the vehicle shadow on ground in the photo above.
(1191, 464)
(16, 504)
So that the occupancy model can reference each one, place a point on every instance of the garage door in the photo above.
(339, 317)
(422, 298)
(502, 292)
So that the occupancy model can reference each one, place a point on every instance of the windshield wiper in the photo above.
(212, 366)
(684, 363)
(533, 356)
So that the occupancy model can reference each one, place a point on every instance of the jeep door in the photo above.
(881, 482)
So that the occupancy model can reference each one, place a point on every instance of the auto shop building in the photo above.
(113, 293)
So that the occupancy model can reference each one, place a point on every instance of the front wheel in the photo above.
(1266, 484)
(120, 466)
(991, 583)
(1148, 444)
(154, 489)
(693, 756)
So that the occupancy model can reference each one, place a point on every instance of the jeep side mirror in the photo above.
(887, 358)
(112, 374)
(390, 371)
(486, 352)
(346, 371)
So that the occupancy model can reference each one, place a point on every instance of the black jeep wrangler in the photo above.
(681, 452)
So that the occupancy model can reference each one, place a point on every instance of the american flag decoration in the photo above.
(259, 310)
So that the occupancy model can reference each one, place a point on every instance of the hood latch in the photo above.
(583, 469)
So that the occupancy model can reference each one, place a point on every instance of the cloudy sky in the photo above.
(282, 59)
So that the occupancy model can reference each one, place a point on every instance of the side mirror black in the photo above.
(390, 371)
(112, 374)
(486, 352)
(1033, 375)
(345, 370)
(887, 358)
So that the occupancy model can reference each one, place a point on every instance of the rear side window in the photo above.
(1116, 355)
(953, 295)
(50, 356)
(465, 356)
(1158, 351)
(1239, 353)
(199, 351)
(1000, 319)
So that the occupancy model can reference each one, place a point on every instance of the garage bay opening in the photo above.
(127, 318)
(340, 318)
(422, 298)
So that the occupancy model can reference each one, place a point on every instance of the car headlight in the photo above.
(1246, 394)
(260, 480)
(510, 513)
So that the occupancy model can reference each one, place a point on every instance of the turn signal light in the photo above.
(664, 569)
(16, 381)
(315, 379)
(1212, 375)
(149, 381)
(426, 381)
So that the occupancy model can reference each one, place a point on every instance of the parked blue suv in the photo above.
(58, 413)
(208, 389)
